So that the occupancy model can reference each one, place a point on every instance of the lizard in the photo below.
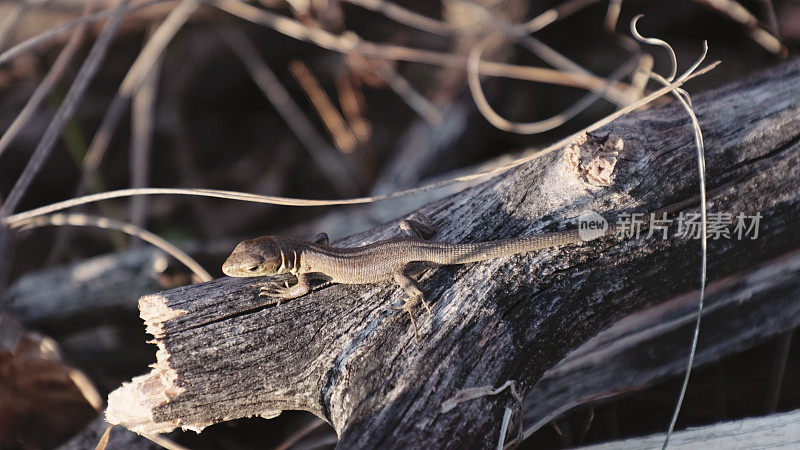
(396, 259)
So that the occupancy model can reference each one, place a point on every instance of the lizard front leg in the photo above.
(299, 289)
(414, 296)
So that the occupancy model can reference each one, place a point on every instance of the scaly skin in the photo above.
(393, 259)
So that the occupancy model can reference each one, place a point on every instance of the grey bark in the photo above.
(346, 355)
(741, 310)
(774, 431)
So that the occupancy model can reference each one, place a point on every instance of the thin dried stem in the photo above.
(658, 42)
(66, 110)
(326, 158)
(85, 220)
(295, 437)
(738, 13)
(32, 42)
(772, 19)
(701, 167)
(416, 101)
(470, 179)
(130, 84)
(531, 127)
(612, 15)
(683, 98)
(143, 112)
(617, 95)
(406, 16)
(14, 17)
(353, 105)
(343, 139)
(641, 75)
(555, 14)
(350, 43)
(46, 85)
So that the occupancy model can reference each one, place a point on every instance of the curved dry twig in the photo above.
(350, 42)
(86, 220)
(685, 100)
(658, 42)
(540, 126)
(287, 201)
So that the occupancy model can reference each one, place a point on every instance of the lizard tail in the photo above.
(482, 251)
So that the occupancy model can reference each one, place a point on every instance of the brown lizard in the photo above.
(395, 259)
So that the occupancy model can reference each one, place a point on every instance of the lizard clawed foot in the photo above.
(284, 293)
(276, 292)
(408, 308)
(414, 297)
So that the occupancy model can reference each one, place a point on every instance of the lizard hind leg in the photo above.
(418, 225)
(414, 296)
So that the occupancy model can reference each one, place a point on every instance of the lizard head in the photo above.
(255, 258)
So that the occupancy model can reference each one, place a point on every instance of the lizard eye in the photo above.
(252, 269)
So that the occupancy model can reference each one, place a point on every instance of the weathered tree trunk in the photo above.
(346, 355)
(741, 310)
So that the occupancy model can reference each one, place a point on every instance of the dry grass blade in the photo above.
(683, 98)
(295, 437)
(333, 121)
(46, 85)
(658, 42)
(12, 19)
(772, 19)
(738, 13)
(416, 101)
(350, 43)
(353, 106)
(85, 220)
(471, 178)
(641, 76)
(103, 443)
(611, 91)
(405, 16)
(131, 83)
(143, 112)
(65, 111)
(325, 157)
(555, 14)
(29, 44)
(164, 442)
(504, 428)
(532, 127)
(701, 169)
(87, 389)
(612, 15)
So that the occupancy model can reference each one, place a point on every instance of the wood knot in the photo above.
(593, 158)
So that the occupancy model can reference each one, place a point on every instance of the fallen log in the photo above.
(346, 355)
